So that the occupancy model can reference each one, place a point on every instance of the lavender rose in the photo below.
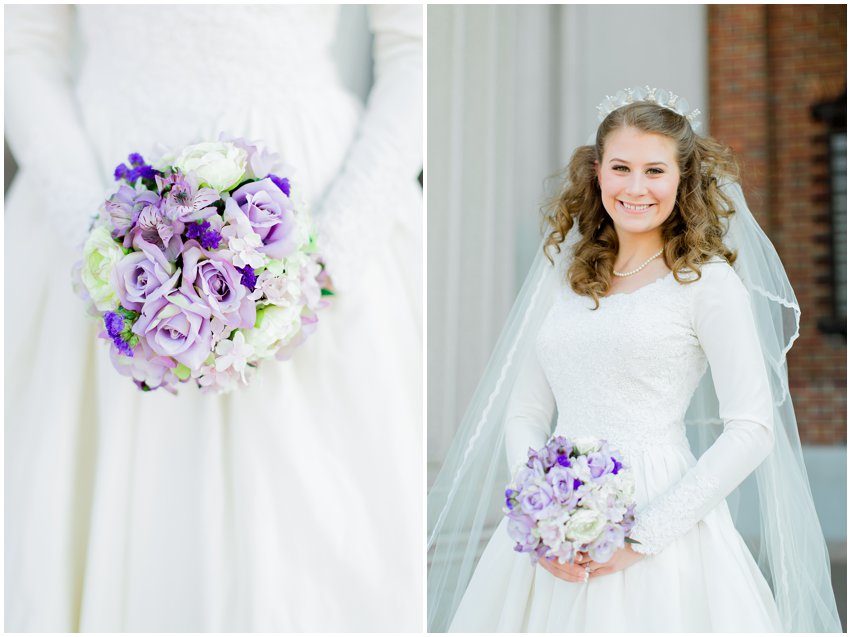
(537, 500)
(270, 214)
(139, 274)
(218, 282)
(599, 464)
(178, 326)
(563, 483)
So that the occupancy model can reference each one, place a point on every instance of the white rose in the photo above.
(100, 254)
(624, 484)
(219, 165)
(551, 531)
(586, 445)
(581, 470)
(277, 326)
(584, 526)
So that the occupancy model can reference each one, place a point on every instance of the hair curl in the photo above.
(693, 232)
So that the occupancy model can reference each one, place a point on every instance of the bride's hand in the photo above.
(567, 571)
(621, 559)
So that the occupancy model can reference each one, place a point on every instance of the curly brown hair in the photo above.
(692, 233)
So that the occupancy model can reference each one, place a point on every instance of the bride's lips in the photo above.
(629, 211)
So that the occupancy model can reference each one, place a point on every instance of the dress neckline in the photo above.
(638, 290)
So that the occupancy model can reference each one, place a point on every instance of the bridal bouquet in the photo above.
(570, 497)
(202, 266)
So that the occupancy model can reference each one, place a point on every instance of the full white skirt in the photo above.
(287, 506)
(705, 581)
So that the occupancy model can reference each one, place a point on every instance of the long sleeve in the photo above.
(528, 418)
(43, 126)
(359, 209)
(724, 325)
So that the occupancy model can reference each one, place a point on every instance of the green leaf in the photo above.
(327, 292)
(130, 315)
(182, 371)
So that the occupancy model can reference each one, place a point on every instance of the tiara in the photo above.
(663, 98)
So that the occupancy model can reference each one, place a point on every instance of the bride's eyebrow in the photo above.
(650, 163)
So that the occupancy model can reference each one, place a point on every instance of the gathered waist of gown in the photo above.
(628, 437)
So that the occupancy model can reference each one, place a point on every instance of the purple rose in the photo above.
(600, 464)
(270, 214)
(562, 482)
(536, 500)
(139, 274)
(214, 281)
(178, 326)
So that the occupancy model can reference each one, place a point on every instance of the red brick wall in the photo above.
(768, 65)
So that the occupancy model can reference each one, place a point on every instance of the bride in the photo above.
(290, 505)
(664, 304)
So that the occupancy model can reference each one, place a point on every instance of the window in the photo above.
(833, 147)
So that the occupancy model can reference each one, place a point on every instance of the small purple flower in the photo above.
(563, 460)
(145, 172)
(210, 240)
(281, 182)
(249, 279)
(195, 230)
(618, 465)
(139, 169)
(123, 347)
(114, 324)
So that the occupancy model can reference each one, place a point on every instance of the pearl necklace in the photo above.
(641, 267)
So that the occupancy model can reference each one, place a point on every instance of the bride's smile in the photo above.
(638, 179)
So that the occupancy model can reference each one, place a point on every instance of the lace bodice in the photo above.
(639, 362)
(626, 373)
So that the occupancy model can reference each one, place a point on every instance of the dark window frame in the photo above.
(832, 113)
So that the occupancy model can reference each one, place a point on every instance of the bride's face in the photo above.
(638, 178)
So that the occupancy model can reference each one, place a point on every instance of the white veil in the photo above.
(789, 548)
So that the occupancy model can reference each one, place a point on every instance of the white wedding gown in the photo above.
(294, 504)
(626, 373)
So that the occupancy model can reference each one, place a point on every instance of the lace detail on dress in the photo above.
(672, 514)
(641, 362)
